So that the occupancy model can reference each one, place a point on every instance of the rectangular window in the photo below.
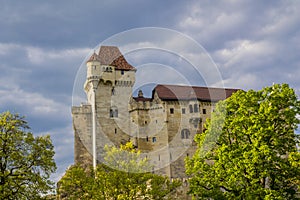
(195, 108)
(191, 108)
(154, 139)
(183, 110)
(172, 110)
(113, 112)
(204, 111)
(122, 72)
(115, 131)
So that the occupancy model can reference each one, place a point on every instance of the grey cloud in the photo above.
(74, 23)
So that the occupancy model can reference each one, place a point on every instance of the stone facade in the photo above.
(162, 127)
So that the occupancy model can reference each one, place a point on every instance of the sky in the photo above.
(43, 44)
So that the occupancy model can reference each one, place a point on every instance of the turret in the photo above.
(93, 66)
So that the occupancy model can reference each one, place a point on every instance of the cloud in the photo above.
(251, 51)
(39, 56)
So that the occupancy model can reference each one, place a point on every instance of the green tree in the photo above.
(26, 161)
(249, 150)
(77, 183)
(123, 177)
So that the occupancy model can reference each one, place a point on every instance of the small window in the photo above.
(122, 72)
(191, 108)
(204, 111)
(154, 139)
(195, 108)
(115, 131)
(146, 122)
(147, 139)
(183, 110)
(172, 110)
(113, 112)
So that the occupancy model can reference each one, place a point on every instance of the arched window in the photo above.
(185, 134)
(113, 112)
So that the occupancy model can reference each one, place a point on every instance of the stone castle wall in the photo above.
(162, 129)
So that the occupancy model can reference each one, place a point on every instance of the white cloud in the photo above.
(246, 53)
(282, 19)
(8, 48)
(39, 56)
(37, 104)
(243, 81)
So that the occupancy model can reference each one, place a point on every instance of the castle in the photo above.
(162, 127)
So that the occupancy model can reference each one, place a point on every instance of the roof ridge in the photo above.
(196, 86)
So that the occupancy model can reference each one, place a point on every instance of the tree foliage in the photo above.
(26, 161)
(255, 155)
(122, 177)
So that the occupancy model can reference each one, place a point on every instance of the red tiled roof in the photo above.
(93, 57)
(111, 55)
(176, 92)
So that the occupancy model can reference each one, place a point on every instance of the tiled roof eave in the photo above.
(190, 99)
